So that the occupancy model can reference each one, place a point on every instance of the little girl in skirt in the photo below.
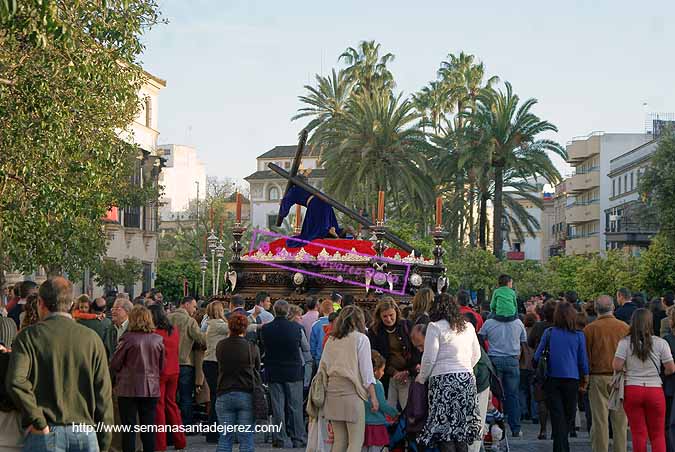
(376, 435)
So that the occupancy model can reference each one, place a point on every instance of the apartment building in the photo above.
(589, 189)
(630, 224)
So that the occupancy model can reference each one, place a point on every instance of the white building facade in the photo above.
(589, 189)
(132, 232)
(183, 179)
(267, 187)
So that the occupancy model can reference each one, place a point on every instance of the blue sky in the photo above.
(234, 69)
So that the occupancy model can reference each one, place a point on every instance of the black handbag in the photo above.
(541, 374)
(260, 403)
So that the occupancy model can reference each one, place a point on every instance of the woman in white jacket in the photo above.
(451, 350)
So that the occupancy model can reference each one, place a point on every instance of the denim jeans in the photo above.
(61, 438)
(211, 376)
(508, 371)
(186, 387)
(287, 398)
(235, 408)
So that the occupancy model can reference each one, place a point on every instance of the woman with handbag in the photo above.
(641, 355)
(346, 362)
(238, 380)
(563, 352)
(451, 351)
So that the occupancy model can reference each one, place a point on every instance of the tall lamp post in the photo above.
(203, 264)
(213, 244)
(220, 253)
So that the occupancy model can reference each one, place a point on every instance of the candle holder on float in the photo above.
(237, 247)
(220, 253)
(439, 236)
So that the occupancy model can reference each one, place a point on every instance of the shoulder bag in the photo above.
(260, 403)
(541, 374)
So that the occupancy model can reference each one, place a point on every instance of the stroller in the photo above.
(495, 438)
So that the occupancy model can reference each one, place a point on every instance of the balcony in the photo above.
(583, 245)
(583, 181)
(580, 212)
(515, 256)
(580, 149)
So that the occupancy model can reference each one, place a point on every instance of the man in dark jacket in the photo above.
(281, 341)
(627, 307)
(58, 376)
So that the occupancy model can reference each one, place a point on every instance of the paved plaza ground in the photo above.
(529, 443)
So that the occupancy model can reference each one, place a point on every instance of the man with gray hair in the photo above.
(58, 376)
(120, 320)
(282, 340)
(602, 338)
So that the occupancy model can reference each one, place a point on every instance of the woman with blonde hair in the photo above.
(390, 336)
(216, 330)
(421, 305)
(137, 363)
(347, 364)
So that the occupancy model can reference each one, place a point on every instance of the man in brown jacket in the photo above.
(602, 338)
(190, 334)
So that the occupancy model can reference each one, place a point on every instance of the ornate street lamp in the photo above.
(203, 265)
(212, 242)
(220, 253)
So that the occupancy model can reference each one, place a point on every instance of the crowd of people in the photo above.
(337, 376)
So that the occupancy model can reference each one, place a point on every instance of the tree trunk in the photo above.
(482, 222)
(498, 207)
(472, 226)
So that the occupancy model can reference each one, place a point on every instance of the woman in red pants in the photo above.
(168, 412)
(640, 356)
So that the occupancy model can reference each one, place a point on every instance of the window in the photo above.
(287, 165)
(516, 247)
(637, 177)
(273, 194)
(618, 192)
(613, 187)
(147, 276)
(625, 182)
(148, 112)
(631, 181)
(271, 221)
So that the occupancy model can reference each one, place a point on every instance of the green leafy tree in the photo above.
(606, 275)
(529, 277)
(69, 81)
(563, 272)
(658, 183)
(657, 266)
(472, 269)
(512, 135)
(171, 274)
(110, 274)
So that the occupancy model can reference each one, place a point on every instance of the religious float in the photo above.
(294, 268)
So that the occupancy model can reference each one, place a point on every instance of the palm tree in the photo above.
(376, 145)
(462, 80)
(325, 102)
(510, 132)
(367, 68)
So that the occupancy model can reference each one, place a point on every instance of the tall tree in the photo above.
(511, 132)
(376, 146)
(69, 82)
(368, 69)
(658, 183)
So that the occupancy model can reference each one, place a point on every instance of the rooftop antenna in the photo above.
(188, 135)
